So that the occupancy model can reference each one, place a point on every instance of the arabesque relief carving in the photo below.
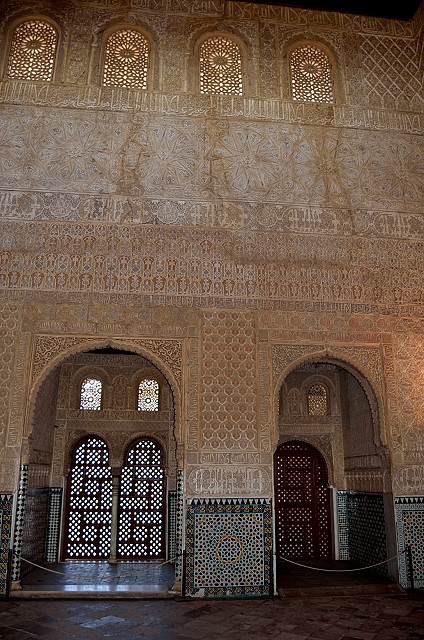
(48, 347)
(226, 237)
(231, 481)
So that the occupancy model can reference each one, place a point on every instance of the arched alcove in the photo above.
(58, 421)
(348, 432)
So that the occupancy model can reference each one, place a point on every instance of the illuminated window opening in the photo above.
(91, 394)
(311, 77)
(317, 400)
(126, 60)
(32, 51)
(220, 67)
(148, 395)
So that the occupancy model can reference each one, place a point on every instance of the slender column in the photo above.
(19, 527)
(116, 476)
(179, 531)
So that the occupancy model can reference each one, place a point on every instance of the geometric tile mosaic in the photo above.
(410, 532)
(179, 526)
(34, 531)
(172, 518)
(19, 523)
(6, 502)
(51, 553)
(228, 547)
(367, 530)
(343, 526)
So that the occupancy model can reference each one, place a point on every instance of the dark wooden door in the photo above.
(302, 502)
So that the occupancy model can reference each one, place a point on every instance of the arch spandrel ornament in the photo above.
(363, 362)
(51, 351)
(48, 348)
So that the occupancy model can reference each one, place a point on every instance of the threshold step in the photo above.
(353, 590)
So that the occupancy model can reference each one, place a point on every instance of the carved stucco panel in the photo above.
(265, 397)
(11, 363)
(229, 481)
(19, 396)
(409, 480)
(192, 387)
(229, 418)
(49, 347)
(169, 351)
(184, 157)
(367, 359)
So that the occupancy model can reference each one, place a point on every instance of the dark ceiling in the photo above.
(401, 10)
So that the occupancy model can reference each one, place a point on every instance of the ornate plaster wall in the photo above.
(232, 236)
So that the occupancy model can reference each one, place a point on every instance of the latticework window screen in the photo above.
(148, 395)
(220, 67)
(126, 60)
(32, 51)
(91, 394)
(317, 400)
(90, 501)
(311, 78)
(142, 503)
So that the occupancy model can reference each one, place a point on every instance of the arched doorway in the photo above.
(89, 501)
(76, 422)
(330, 405)
(302, 502)
(141, 525)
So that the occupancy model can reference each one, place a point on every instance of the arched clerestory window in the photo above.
(317, 400)
(220, 66)
(311, 74)
(126, 60)
(91, 394)
(148, 395)
(32, 51)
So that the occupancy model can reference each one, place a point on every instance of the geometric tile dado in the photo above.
(229, 545)
(410, 533)
(6, 501)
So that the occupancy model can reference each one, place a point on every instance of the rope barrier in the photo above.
(98, 578)
(371, 566)
(129, 575)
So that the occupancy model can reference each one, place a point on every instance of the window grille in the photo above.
(220, 67)
(148, 396)
(317, 400)
(311, 77)
(32, 51)
(91, 394)
(90, 501)
(126, 60)
(142, 503)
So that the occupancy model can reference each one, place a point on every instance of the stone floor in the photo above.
(327, 618)
(99, 578)
(331, 577)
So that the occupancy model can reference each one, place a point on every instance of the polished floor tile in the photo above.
(398, 617)
(100, 577)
